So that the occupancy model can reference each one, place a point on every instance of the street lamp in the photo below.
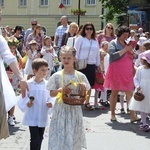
(79, 13)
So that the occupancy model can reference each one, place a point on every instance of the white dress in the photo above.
(28, 67)
(48, 56)
(142, 79)
(66, 127)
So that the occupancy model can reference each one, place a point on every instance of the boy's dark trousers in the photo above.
(36, 137)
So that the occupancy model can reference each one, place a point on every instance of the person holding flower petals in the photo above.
(66, 127)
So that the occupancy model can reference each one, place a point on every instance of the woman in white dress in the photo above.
(142, 83)
(5, 101)
(66, 127)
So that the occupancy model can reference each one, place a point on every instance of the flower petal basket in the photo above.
(75, 99)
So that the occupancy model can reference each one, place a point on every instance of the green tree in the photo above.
(114, 7)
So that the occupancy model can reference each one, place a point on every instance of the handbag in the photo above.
(99, 78)
(82, 63)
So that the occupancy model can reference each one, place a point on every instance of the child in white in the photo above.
(32, 54)
(48, 53)
(142, 83)
(36, 104)
(66, 127)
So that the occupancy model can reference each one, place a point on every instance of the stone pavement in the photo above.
(101, 133)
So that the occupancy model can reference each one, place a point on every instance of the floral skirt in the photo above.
(66, 128)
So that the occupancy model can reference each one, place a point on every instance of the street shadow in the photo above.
(131, 127)
(125, 116)
(14, 129)
(95, 112)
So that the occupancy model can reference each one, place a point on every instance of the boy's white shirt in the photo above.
(38, 109)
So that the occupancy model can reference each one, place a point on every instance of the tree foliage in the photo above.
(114, 7)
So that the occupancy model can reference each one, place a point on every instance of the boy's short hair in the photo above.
(39, 62)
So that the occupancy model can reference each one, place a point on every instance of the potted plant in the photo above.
(77, 12)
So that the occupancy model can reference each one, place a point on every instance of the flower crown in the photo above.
(13, 41)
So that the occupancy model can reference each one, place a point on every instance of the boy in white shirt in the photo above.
(36, 104)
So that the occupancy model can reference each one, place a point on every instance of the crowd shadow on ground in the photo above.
(95, 112)
(126, 125)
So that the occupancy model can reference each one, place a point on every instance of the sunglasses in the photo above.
(110, 28)
(89, 29)
(34, 24)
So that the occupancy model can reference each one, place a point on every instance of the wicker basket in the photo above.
(138, 96)
(75, 99)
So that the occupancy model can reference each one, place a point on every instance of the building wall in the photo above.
(47, 16)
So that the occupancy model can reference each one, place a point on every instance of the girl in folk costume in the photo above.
(32, 54)
(142, 83)
(66, 127)
(48, 53)
(12, 43)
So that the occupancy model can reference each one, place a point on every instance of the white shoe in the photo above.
(11, 121)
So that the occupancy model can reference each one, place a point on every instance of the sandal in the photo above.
(135, 120)
(145, 128)
(113, 119)
(122, 111)
(141, 125)
(97, 106)
(128, 111)
(88, 106)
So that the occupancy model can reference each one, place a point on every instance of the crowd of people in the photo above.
(120, 58)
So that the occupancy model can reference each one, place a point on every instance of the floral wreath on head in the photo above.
(13, 41)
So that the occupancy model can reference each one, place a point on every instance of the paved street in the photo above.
(101, 134)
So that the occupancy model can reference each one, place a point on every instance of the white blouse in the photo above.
(37, 114)
(85, 46)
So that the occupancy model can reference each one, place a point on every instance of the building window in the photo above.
(66, 2)
(2, 3)
(43, 2)
(22, 2)
(90, 2)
